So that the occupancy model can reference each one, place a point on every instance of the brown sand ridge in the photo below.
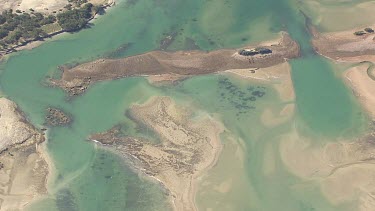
(344, 45)
(183, 63)
(23, 166)
(187, 147)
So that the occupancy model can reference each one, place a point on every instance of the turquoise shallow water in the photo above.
(90, 178)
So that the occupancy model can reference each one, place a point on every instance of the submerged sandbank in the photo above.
(186, 63)
(187, 148)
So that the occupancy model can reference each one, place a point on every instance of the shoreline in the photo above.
(24, 167)
(30, 44)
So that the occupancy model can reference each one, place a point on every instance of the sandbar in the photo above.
(187, 149)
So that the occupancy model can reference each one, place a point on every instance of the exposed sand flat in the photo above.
(188, 147)
(344, 45)
(76, 80)
(363, 86)
(344, 170)
(23, 167)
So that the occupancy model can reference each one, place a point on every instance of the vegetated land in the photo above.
(20, 27)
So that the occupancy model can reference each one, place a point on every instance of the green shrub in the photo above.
(75, 19)
(3, 33)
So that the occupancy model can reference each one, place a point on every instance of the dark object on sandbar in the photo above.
(359, 33)
(264, 50)
(244, 52)
(369, 30)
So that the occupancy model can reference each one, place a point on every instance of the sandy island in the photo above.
(187, 149)
(182, 63)
(23, 163)
(344, 45)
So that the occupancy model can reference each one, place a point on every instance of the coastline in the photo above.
(30, 44)
(24, 168)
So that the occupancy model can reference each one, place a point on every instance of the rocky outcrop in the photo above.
(57, 117)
